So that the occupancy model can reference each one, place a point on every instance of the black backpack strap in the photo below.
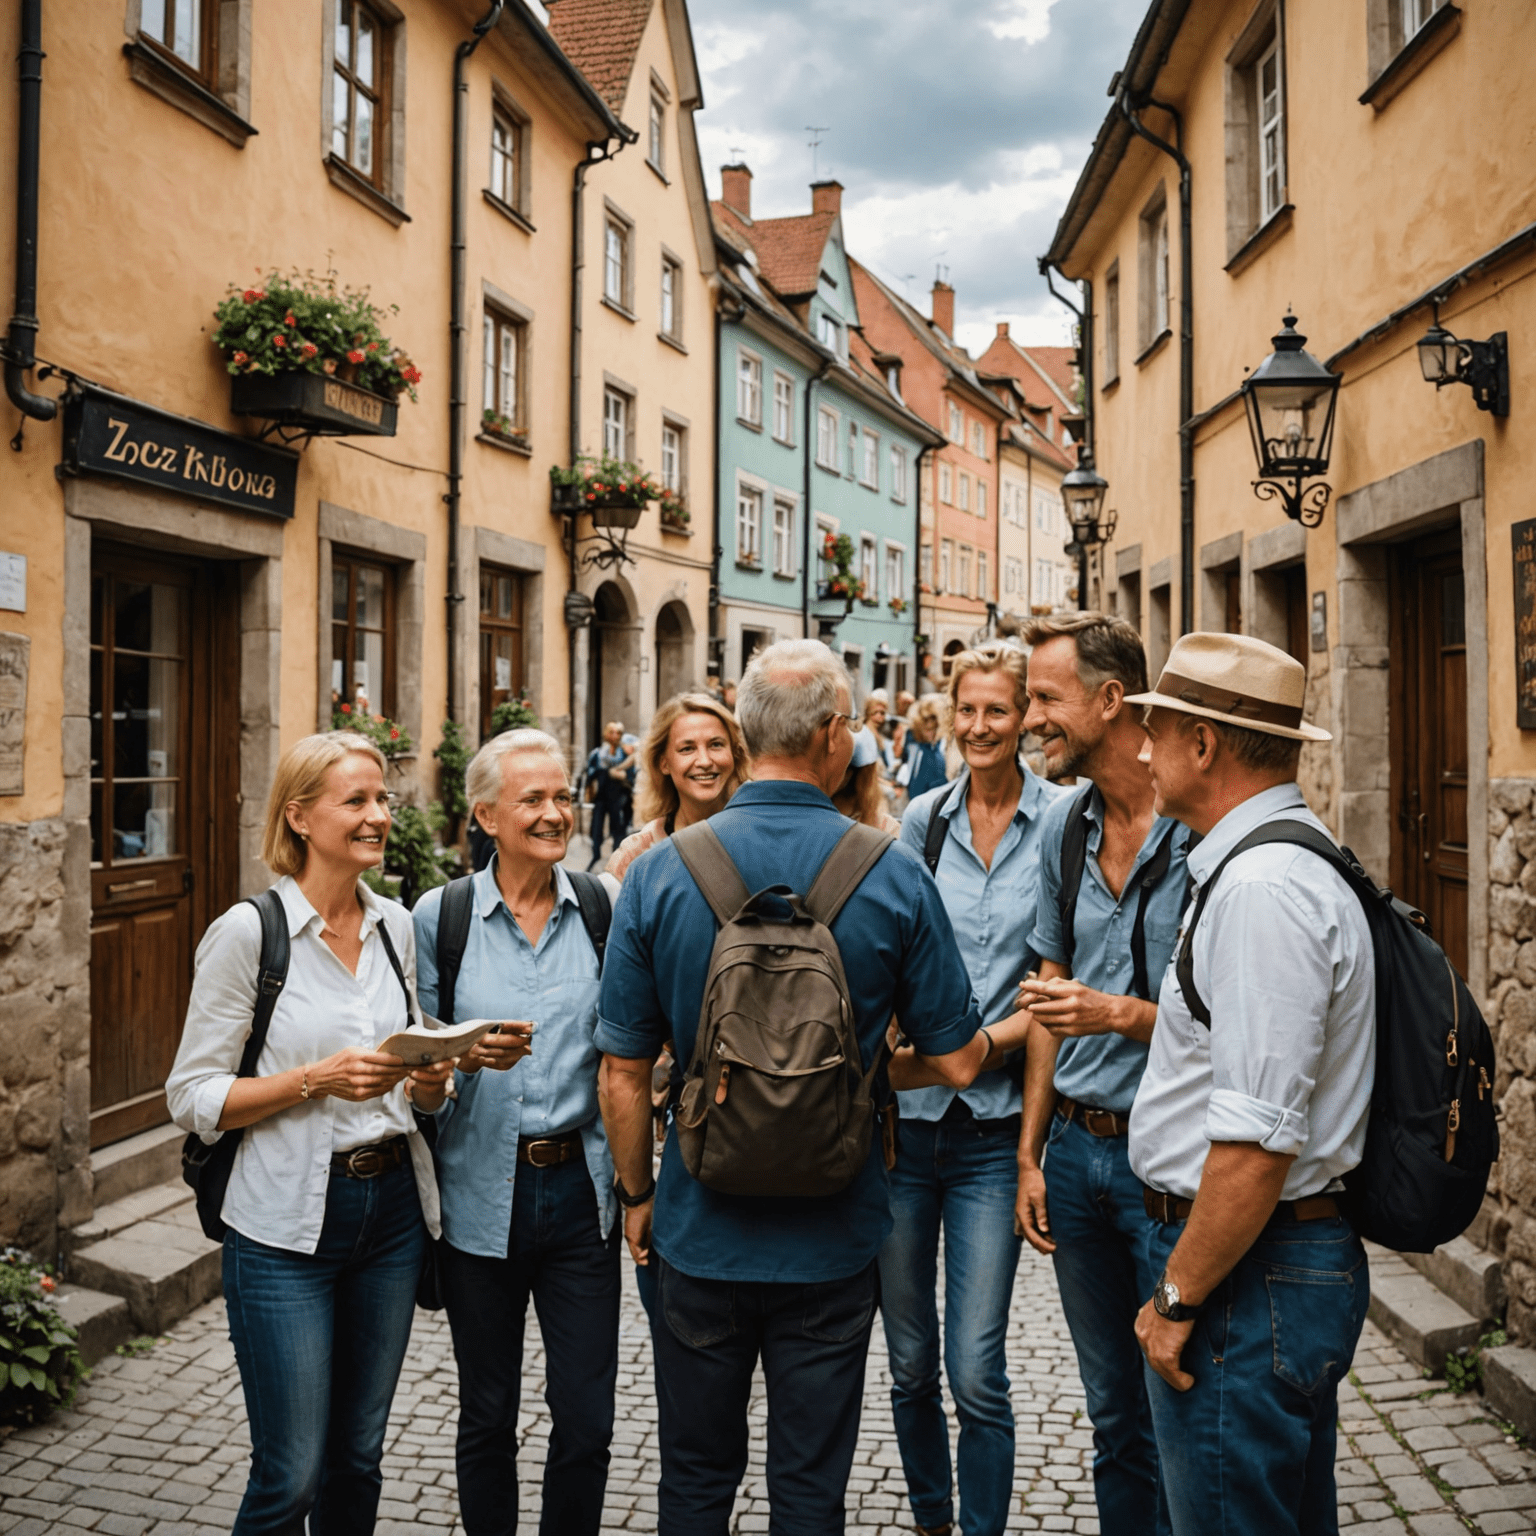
(453, 919)
(854, 854)
(271, 974)
(596, 909)
(1074, 859)
(1303, 836)
(933, 842)
(399, 970)
(1147, 877)
(713, 870)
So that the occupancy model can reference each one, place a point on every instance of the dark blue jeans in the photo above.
(320, 1339)
(813, 1340)
(1104, 1273)
(1250, 1446)
(614, 809)
(556, 1255)
(963, 1177)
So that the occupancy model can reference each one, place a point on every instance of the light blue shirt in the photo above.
(1103, 1071)
(993, 911)
(550, 1092)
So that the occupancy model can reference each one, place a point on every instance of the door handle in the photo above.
(124, 886)
(1424, 835)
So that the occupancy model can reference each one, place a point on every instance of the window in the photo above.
(893, 378)
(749, 526)
(506, 158)
(869, 572)
(898, 473)
(826, 438)
(672, 459)
(925, 565)
(783, 408)
(979, 439)
(963, 571)
(831, 335)
(983, 577)
(617, 263)
(851, 467)
(1416, 13)
(501, 400)
(956, 425)
(946, 563)
(671, 299)
(871, 474)
(359, 112)
(1271, 131)
(1112, 323)
(946, 483)
(783, 537)
(1013, 577)
(981, 497)
(362, 635)
(1255, 132)
(1042, 581)
(1047, 511)
(1152, 299)
(655, 145)
(187, 30)
(749, 389)
(501, 641)
(895, 571)
(965, 493)
(615, 424)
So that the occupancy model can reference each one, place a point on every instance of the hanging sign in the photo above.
(108, 434)
(1524, 536)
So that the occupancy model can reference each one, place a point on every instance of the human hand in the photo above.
(500, 1050)
(429, 1085)
(1162, 1342)
(637, 1230)
(1030, 1219)
(1067, 1008)
(355, 1075)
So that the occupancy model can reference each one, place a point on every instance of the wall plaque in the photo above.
(1524, 537)
(15, 651)
(108, 434)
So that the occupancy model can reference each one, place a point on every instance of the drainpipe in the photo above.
(22, 337)
(1175, 152)
(716, 548)
(805, 531)
(917, 561)
(456, 330)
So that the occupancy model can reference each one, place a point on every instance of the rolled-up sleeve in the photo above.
(630, 1020)
(1269, 982)
(219, 1017)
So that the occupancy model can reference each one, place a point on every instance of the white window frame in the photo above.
(656, 141)
(615, 261)
(963, 554)
(956, 425)
(783, 408)
(895, 569)
(946, 483)
(671, 298)
(963, 500)
(870, 473)
(749, 388)
(981, 497)
(979, 439)
(983, 576)
(502, 367)
(831, 334)
(946, 563)
(925, 565)
(1112, 323)
(749, 524)
(618, 414)
(1270, 104)
(672, 439)
(898, 473)
(785, 512)
(826, 437)
(851, 456)
(869, 564)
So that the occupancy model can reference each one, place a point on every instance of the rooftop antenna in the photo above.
(736, 152)
(819, 132)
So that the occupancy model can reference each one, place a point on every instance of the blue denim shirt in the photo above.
(993, 911)
(927, 759)
(1103, 1071)
(551, 1091)
(900, 957)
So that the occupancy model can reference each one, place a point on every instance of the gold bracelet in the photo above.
(304, 1082)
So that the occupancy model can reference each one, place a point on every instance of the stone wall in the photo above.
(45, 1032)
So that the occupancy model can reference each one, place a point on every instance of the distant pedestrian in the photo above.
(332, 1193)
(861, 796)
(923, 758)
(788, 1278)
(728, 693)
(608, 789)
(1243, 1128)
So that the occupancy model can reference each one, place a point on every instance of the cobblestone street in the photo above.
(156, 1445)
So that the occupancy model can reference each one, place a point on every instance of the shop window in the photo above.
(362, 635)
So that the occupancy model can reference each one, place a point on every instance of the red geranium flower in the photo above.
(394, 735)
(279, 340)
(288, 319)
(373, 346)
(242, 357)
(252, 294)
(310, 349)
(47, 1283)
(354, 356)
(346, 709)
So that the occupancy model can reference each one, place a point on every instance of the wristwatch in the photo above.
(1165, 1299)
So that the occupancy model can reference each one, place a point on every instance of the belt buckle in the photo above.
(535, 1150)
(365, 1163)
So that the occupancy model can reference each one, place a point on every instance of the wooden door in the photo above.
(1429, 737)
(161, 722)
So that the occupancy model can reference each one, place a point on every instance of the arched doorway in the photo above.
(951, 650)
(674, 651)
(613, 666)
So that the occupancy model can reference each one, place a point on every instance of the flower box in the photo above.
(614, 513)
(320, 403)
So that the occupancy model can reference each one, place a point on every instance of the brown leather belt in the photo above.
(1097, 1122)
(1168, 1209)
(549, 1151)
(370, 1161)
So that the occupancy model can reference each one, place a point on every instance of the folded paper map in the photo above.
(437, 1042)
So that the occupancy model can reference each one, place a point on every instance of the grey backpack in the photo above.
(775, 1099)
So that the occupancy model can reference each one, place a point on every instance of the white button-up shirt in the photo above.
(1284, 960)
(278, 1184)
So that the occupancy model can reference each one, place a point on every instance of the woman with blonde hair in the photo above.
(331, 1192)
(923, 752)
(694, 758)
(862, 797)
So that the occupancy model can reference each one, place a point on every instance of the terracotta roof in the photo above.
(601, 37)
(789, 250)
(1045, 374)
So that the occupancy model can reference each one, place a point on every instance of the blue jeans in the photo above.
(556, 1255)
(964, 1176)
(1105, 1273)
(320, 1339)
(1250, 1446)
(813, 1340)
(614, 809)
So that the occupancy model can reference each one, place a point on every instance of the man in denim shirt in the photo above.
(790, 1279)
(1086, 1058)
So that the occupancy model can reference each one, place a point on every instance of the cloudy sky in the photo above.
(957, 128)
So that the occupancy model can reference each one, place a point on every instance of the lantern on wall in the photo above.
(1290, 399)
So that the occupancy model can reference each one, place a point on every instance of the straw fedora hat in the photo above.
(1237, 680)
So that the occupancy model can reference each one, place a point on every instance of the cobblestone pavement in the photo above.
(157, 1446)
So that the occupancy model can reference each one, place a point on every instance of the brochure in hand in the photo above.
(437, 1041)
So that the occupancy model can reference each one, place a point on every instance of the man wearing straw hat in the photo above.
(1242, 1130)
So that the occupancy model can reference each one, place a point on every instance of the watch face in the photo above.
(1166, 1297)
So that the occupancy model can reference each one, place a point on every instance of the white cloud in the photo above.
(1027, 21)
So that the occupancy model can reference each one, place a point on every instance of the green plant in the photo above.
(39, 1364)
(379, 729)
(898, 605)
(454, 753)
(513, 715)
(142, 1345)
(411, 851)
(674, 511)
(614, 482)
(496, 423)
(1464, 1369)
(304, 324)
(838, 552)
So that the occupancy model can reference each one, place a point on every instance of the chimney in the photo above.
(944, 307)
(1002, 330)
(826, 197)
(736, 189)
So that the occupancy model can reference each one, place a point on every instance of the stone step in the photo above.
(126, 1167)
(1422, 1320)
(1471, 1276)
(160, 1262)
(1509, 1385)
(101, 1321)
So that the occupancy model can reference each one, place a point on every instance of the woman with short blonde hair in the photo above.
(331, 1193)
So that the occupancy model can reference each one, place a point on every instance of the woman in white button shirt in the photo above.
(332, 1193)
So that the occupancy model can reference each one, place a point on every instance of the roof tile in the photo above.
(601, 37)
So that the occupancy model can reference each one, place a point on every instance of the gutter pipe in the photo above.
(1176, 153)
(805, 511)
(917, 562)
(456, 332)
(21, 339)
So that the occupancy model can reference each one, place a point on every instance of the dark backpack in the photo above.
(775, 1097)
(1432, 1137)
(207, 1168)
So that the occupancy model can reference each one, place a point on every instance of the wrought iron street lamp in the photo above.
(1481, 365)
(1083, 490)
(1290, 399)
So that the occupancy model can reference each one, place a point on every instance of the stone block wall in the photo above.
(45, 1032)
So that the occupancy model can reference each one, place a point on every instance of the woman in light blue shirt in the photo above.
(957, 1172)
